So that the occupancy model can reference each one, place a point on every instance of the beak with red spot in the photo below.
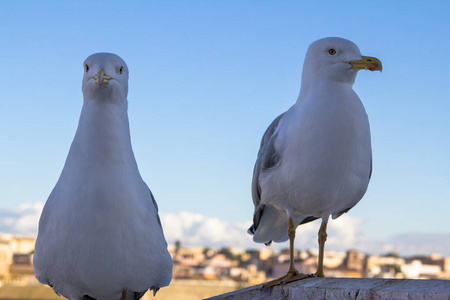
(102, 78)
(367, 63)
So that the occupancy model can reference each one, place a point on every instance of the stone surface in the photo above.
(346, 288)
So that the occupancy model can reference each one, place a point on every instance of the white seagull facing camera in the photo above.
(315, 159)
(100, 236)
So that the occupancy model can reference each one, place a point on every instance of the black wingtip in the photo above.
(139, 295)
(155, 290)
(251, 230)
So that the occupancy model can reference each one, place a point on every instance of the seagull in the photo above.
(315, 159)
(100, 236)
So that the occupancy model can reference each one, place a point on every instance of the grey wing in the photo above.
(156, 206)
(267, 158)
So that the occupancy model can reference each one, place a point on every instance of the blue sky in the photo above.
(208, 77)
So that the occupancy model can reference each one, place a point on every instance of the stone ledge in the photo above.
(346, 288)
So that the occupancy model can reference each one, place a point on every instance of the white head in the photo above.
(336, 59)
(105, 78)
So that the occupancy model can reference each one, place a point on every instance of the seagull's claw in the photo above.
(291, 276)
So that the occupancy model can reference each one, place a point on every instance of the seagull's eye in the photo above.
(332, 51)
(121, 70)
(86, 68)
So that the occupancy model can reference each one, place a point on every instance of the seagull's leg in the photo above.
(292, 274)
(322, 239)
(291, 234)
(124, 295)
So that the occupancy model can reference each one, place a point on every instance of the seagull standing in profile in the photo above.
(100, 236)
(315, 160)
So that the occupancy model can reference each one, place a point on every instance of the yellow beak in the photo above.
(367, 63)
(102, 78)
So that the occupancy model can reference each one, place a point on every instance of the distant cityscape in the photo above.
(245, 266)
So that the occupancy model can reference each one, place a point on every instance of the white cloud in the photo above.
(198, 230)
(343, 233)
(21, 220)
(195, 229)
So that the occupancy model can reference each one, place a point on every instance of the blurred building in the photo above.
(16, 259)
